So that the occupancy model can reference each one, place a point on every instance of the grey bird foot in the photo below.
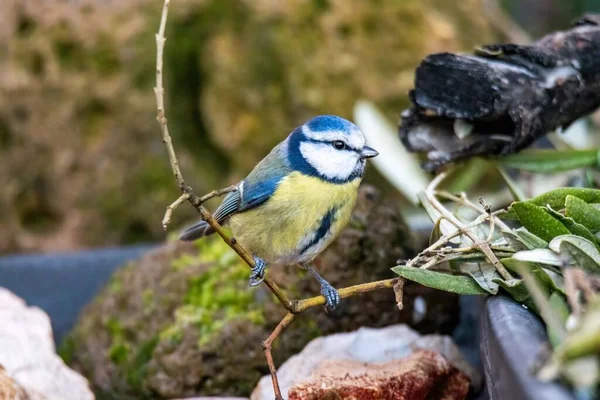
(258, 272)
(332, 297)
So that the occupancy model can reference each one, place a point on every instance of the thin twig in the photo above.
(218, 193)
(483, 246)
(399, 292)
(188, 194)
(267, 348)
(193, 198)
(462, 200)
(446, 238)
(167, 218)
(305, 304)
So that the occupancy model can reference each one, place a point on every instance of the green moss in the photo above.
(118, 353)
(114, 284)
(114, 328)
(216, 297)
(66, 350)
(138, 367)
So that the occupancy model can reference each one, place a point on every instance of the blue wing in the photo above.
(257, 188)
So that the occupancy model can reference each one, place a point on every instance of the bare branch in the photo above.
(267, 348)
(167, 218)
(482, 245)
(188, 194)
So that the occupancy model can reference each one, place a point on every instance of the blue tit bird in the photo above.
(297, 199)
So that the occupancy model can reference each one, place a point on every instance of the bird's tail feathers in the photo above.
(196, 231)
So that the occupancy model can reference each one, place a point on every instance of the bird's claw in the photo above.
(332, 297)
(258, 272)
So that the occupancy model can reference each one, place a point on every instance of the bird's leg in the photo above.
(332, 297)
(258, 271)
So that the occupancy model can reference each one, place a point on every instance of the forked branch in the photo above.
(293, 306)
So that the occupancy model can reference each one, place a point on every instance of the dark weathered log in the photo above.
(501, 99)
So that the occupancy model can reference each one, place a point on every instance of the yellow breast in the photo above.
(279, 228)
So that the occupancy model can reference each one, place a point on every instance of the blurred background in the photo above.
(83, 167)
(81, 160)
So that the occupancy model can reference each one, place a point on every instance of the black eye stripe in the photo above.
(347, 147)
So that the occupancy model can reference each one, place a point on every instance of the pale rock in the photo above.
(28, 355)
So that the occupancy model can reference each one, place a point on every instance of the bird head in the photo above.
(329, 147)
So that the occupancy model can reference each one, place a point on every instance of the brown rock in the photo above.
(423, 375)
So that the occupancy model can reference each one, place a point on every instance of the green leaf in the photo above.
(574, 227)
(436, 232)
(518, 291)
(483, 273)
(539, 256)
(582, 252)
(556, 199)
(547, 161)
(536, 270)
(438, 280)
(466, 177)
(522, 239)
(537, 221)
(583, 213)
(513, 187)
(561, 309)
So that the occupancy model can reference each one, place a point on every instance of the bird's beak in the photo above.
(368, 152)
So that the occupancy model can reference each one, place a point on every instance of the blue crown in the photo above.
(324, 123)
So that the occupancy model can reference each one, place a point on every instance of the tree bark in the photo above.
(501, 99)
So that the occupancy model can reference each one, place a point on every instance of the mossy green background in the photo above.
(81, 158)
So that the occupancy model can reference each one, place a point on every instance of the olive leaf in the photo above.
(513, 187)
(518, 291)
(434, 215)
(583, 213)
(522, 239)
(574, 227)
(483, 273)
(436, 232)
(540, 256)
(582, 252)
(538, 221)
(556, 199)
(546, 161)
(541, 274)
(439, 280)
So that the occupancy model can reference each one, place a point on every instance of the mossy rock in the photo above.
(81, 158)
(182, 321)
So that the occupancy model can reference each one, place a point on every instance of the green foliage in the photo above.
(556, 236)
(579, 250)
(547, 161)
(582, 212)
(557, 198)
(439, 280)
(216, 297)
(538, 221)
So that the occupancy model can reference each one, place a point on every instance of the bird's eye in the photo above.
(338, 144)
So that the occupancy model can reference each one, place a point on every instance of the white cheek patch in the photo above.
(329, 162)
